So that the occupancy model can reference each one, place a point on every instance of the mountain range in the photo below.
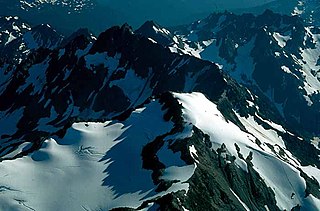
(219, 114)
(69, 15)
(274, 55)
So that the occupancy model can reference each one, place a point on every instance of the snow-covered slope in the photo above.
(95, 166)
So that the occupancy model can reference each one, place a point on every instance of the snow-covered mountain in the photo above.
(18, 38)
(276, 56)
(120, 123)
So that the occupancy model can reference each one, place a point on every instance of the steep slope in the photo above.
(119, 110)
(274, 55)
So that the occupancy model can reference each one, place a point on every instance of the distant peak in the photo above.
(126, 27)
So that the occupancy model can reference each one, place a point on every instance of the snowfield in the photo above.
(95, 166)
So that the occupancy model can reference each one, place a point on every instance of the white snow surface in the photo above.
(281, 39)
(10, 39)
(96, 166)
(159, 30)
(186, 48)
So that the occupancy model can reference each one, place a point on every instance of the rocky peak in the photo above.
(156, 32)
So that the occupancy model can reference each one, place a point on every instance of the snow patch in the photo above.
(10, 39)
(281, 39)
